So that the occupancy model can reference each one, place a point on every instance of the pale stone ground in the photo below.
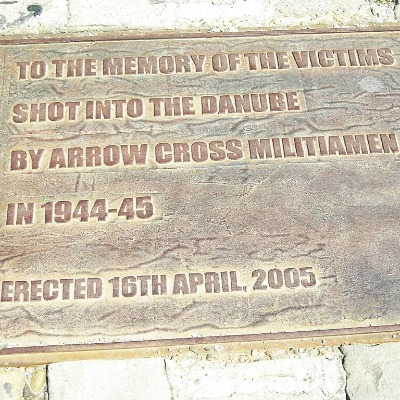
(23, 383)
(357, 372)
(54, 16)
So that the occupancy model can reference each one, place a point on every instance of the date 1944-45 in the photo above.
(64, 211)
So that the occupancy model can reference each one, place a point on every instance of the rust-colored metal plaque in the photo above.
(175, 189)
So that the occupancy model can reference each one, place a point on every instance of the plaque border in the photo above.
(39, 355)
(36, 355)
(106, 36)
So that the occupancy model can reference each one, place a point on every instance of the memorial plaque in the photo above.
(209, 187)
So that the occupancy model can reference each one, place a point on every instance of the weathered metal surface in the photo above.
(183, 188)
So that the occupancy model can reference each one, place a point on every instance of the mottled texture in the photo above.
(215, 16)
(372, 371)
(23, 383)
(336, 214)
(191, 377)
(12, 382)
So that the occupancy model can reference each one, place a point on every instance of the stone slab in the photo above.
(191, 377)
(101, 380)
(176, 189)
(23, 383)
(229, 15)
(372, 371)
(27, 17)
(12, 382)
(305, 378)
(58, 16)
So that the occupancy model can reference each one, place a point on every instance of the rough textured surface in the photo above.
(12, 382)
(373, 371)
(23, 383)
(307, 378)
(104, 380)
(223, 15)
(192, 377)
(295, 262)
(15, 18)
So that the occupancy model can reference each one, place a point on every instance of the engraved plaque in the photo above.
(174, 189)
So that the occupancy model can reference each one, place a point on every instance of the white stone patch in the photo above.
(397, 11)
(373, 372)
(383, 9)
(306, 378)
(109, 380)
(226, 15)
(190, 15)
(23, 383)
(15, 18)
(371, 84)
(12, 382)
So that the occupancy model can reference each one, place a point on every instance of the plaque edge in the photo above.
(40, 355)
(105, 36)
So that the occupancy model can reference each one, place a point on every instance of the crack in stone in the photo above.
(168, 380)
(345, 386)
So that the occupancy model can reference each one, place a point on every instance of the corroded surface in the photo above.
(173, 189)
